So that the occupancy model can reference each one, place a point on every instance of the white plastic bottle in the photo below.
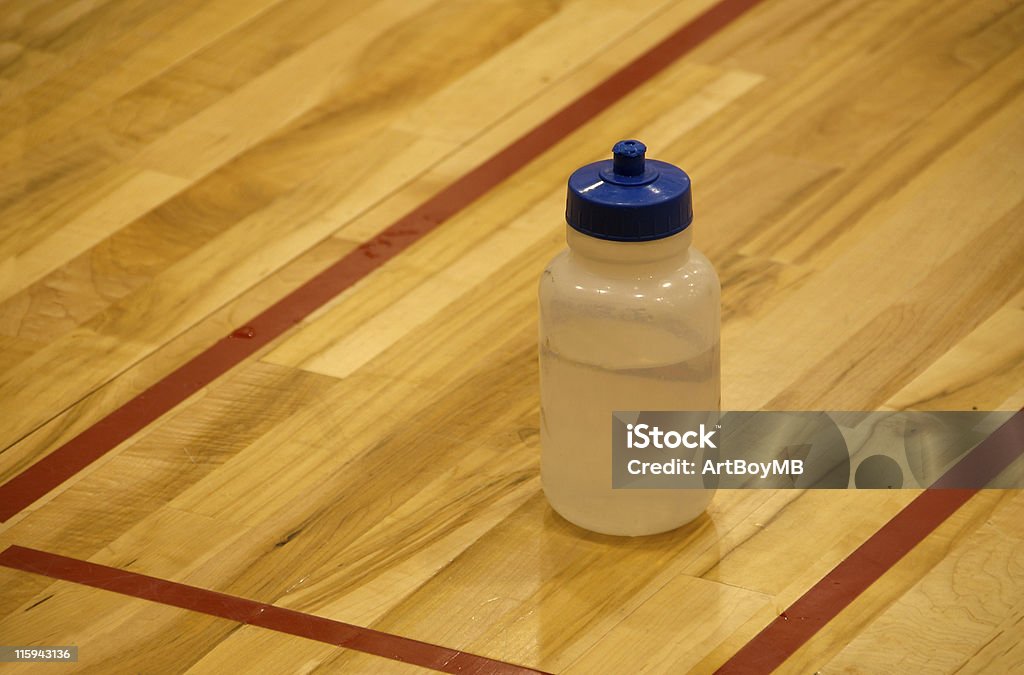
(629, 320)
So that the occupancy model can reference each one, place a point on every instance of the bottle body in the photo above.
(623, 326)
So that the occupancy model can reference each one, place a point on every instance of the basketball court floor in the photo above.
(268, 381)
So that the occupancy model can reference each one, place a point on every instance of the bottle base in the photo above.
(654, 513)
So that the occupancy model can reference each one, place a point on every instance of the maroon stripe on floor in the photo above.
(815, 608)
(136, 414)
(255, 613)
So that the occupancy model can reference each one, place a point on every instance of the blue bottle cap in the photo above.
(628, 197)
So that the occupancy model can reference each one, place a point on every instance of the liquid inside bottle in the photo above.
(576, 412)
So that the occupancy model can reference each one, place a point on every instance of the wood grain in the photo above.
(171, 170)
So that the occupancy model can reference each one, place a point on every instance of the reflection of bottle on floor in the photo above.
(629, 320)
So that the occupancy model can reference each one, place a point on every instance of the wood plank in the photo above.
(105, 217)
(114, 48)
(136, 325)
(978, 373)
(911, 215)
(65, 614)
(284, 653)
(657, 643)
(66, 424)
(102, 505)
(970, 594)
(816, 653)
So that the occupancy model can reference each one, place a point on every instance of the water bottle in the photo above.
(629, 320)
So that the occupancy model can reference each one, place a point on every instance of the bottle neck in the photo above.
(629, 252)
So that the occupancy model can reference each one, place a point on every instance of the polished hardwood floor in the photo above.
(172, 170)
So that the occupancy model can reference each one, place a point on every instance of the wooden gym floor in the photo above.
(267, 328)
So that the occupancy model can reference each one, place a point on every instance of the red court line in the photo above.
(255, 613)
(136, 414)
(837, 589)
